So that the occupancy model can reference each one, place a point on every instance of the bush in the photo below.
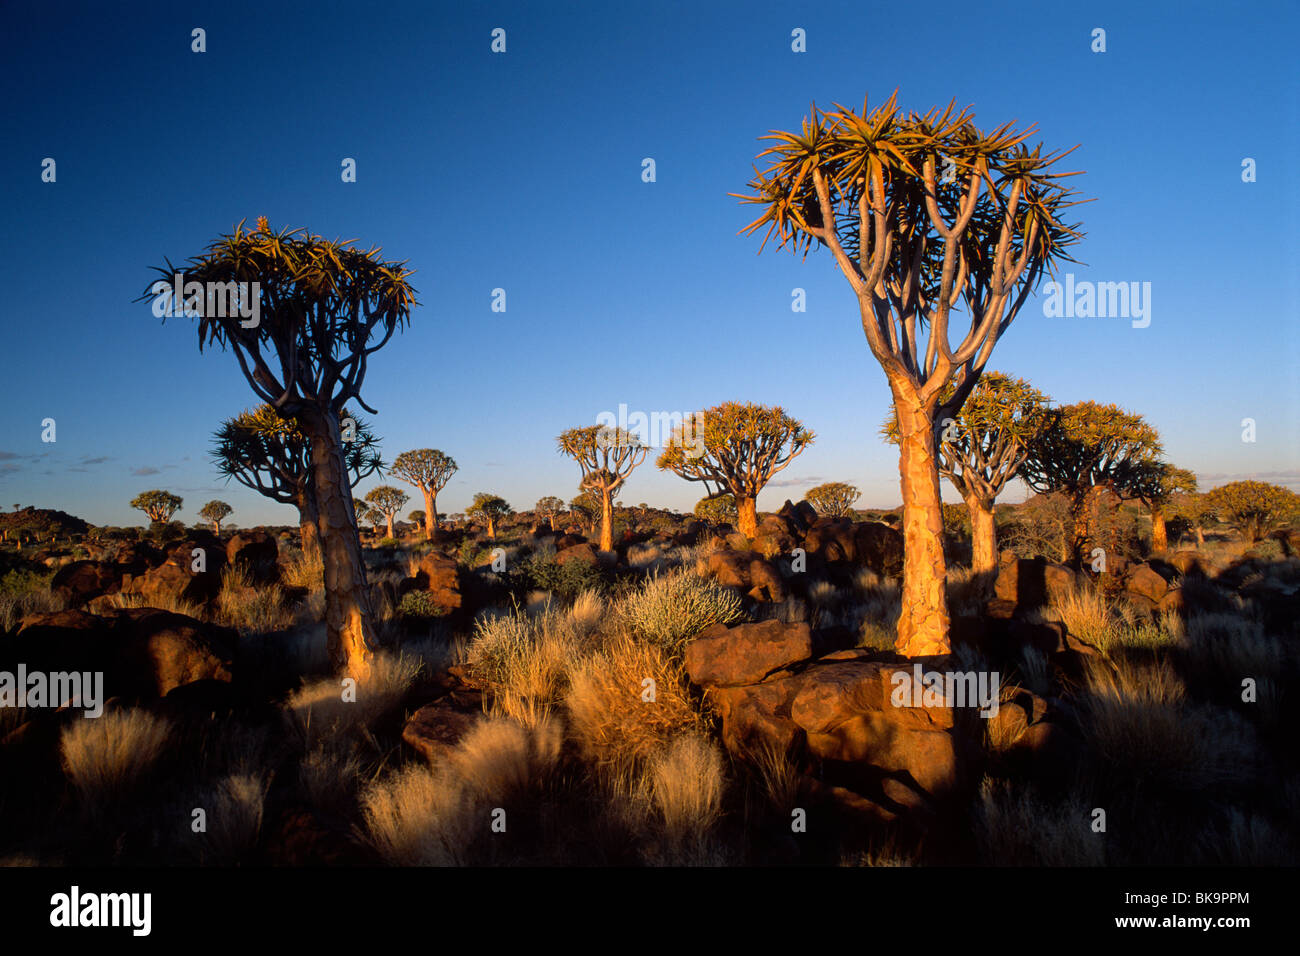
(669, 610)
(420, 604)
(542, 572)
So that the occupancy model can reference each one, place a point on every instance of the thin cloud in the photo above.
(141, 472)
(795, 482)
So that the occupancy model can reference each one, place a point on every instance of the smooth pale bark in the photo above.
(349, 620)
(1200, 536)
(606, 521)
(984, 535)
(923, 622)
(747, 515)
(430, 515)
(1159, 532)
(389, 518)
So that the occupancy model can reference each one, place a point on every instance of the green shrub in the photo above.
(420, 604)
(669, 610)
(542, 572)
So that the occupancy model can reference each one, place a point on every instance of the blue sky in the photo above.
(522, 171)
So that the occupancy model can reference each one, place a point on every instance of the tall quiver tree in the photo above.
(606, 456)
(983, 448)
(1085, 449)
(321, 309)
(735, 449)
(158, 505)
(924, 214)
(216, 512)
(388, 501)
(269, 453)
(1157, 486)
(429, 470)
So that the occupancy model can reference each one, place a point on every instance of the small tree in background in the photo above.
(983, 448)
(548, 507)
(429, 470)
(834, 498)
(1192, 512)
(1256, 508)
(158, 505)
(489, 508)
(1156, 486)
(215, 512)
(587, 507)
(416, 517)
(606, 457)
(1086, 448)
(268, 453)
(719, 510)
(923, 214)
(323, 308)
(736, 449)
(387, 500)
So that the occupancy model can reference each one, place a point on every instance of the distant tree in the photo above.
(416, 517)
(1087, 448)
(833, 498)
(586, 506)
(269, 453)
(548, 507)
(736, 449)
(983, 448)
(1256, 508)
(914, 244)
(606, 457)
(429, 470)
(719, 510)
(1156, 486)
(158, 505)
(387, 500)
(490, 508)
(318, 311)
(1192, 512)
(215, 512)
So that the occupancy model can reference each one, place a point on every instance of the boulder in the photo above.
(171, 584)
(746, 653)
(440, 576)
(1190, 562)
(879, 547)
(80, 581)
(435, 729)
(256, 552)
(1029, 583)
(584, 553)
(757, 716)
(831, 539)
(800, 516)
(163, 651)
(1146, 582)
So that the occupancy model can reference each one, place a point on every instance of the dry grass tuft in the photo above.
(106, 756)
(1019, 828)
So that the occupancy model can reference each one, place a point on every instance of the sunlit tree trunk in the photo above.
(308, 523)
(349, 620)
(430, 516)
(1159, 533)
(606, 521)
(984, 535)
(923, 623)
(747, 515)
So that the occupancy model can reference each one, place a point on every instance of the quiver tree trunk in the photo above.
(349, 621)
(606, 521)
(923, 621)
(389, 524)
(430, 516)
(747, 515)
(1159, 532)
(983, 536)
(308, 523)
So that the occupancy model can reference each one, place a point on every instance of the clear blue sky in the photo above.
(523, 171)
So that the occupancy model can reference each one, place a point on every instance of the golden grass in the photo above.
(320, 709)
(105, 756)
(234, 816)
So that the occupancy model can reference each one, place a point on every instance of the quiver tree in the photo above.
(388, 501)
(158, 505)
(270, 454)
(606, 457)
(586, 506)
(1157, 486)
(216, 512)
(429, 470)
(1256, 508)
(416, 517)
(489, 509)
(548, 507)
(735, 449)
(322, 308)
(1086, 449)
(924, 215)
(983, 448)
(834, 498)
